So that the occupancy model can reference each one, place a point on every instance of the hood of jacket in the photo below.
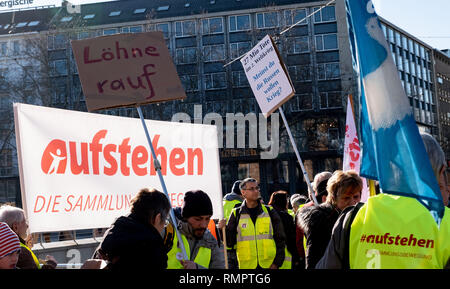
(232, 197)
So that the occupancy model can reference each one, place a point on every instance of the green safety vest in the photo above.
(377, 241)
(35, 259)
(203, 255)
(255, 244)
(291, 212)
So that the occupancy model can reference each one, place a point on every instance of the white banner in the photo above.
(80, 170)
(352, 150)
(267, 76)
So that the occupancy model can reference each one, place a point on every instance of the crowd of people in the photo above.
(289, 232)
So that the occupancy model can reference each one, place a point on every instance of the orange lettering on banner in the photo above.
(82, 203)
(55, 158)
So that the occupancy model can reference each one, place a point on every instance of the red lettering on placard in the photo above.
(86, 158)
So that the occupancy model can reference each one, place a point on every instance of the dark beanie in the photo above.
(235, 189)
(196, 203)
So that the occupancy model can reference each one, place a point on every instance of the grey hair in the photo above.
(245, 181)
(318, 179)
(435, 153)
(11, 215)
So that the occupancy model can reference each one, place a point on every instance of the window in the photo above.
(298, 45)
(16, 47)
(300, 73)
(184, 28)
(327, 14)
(3, 48)
(21, 24)
(214, 52)
(58, 67)
(115, 13)
(139, 10)
(163, 8)
(330, 100)
(131, 29)
(301, 102)
(33, 23)
(89, 16)
(212, 25)
(239, 23)
(164, 27)
(110, 31)
(239, 48)
(293, 16)
(190, 82)
(326, 71)
(326, 42)
(239, 79)
(186, 55)
(66, 18)
(267, 20)
(215, 80)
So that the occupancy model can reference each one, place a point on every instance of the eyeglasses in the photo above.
(252, 189)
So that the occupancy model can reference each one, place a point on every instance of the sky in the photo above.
(428, 20)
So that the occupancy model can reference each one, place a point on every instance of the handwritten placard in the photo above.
(126, 70)
(267, 76)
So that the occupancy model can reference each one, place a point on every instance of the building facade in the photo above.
(203, 37)
(442, 65)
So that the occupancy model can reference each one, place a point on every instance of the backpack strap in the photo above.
(346, 232)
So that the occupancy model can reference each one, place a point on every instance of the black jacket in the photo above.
(317, 222)
(130, 244)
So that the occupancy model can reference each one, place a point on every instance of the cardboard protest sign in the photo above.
(126, 70)
(267, 76)
(80, 170)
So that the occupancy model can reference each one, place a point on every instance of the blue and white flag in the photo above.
(393, 150)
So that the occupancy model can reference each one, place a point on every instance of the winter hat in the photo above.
(196, 203)
(235, 189)
(9, 242)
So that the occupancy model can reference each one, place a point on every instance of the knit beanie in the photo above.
(235, 189)
(196, 203)
(9, 242)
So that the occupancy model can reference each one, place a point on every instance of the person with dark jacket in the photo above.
(279, 202)
(135, 241)
(344, 189)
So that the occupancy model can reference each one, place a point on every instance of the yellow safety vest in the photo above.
(378, 241)
(203, 255)
(228, 207)
(291, 212)
(36, 260)
(255, 244)
(287, 263)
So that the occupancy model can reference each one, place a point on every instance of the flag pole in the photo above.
(225, 247)
(305, 174)
(163, 185)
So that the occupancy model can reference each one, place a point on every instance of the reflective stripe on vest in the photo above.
(203, 255)
(35, 259)
(377, 241)
(255, 244)
(287, 263)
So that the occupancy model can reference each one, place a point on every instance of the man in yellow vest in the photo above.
(390, 232)
(231, 201)
(15, 219)
(256, 230)
(201, 247)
